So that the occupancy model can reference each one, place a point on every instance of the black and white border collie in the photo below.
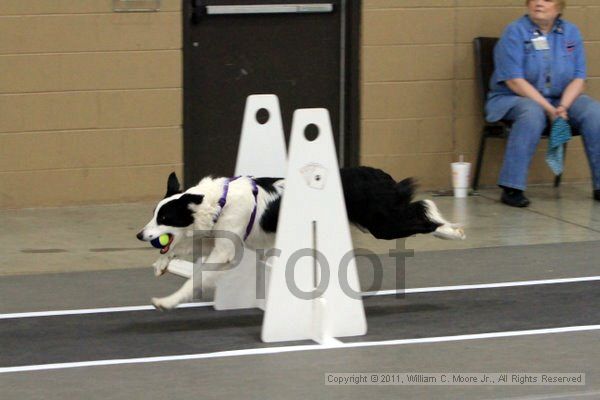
(249, 208)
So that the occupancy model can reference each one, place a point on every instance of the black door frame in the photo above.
(352, 25)
(349, 151)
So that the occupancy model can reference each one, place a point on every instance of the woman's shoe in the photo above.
(515, 198)
(597, 194)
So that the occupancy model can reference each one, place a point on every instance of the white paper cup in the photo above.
(460, 178)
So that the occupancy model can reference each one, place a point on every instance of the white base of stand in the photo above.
(182, 268)
(243, 286)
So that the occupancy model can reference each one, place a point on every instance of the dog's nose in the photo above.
(140, 236)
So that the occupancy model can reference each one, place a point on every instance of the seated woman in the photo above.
(540, 75)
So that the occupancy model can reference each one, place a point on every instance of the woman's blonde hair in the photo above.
(561, 4)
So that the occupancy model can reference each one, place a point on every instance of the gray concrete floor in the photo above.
(103, 237)
(302, 375)
(87, 257)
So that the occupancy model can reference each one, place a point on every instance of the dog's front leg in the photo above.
(184, 294)
(220, 255)
(161, 264)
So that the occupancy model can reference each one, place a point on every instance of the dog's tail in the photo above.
(405, 190)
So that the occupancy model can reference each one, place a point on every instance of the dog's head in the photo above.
(174, 215)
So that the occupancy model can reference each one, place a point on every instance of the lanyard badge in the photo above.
(540, 43)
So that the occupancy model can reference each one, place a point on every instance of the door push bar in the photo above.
(270, 9)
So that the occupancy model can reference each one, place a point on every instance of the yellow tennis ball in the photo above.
(164, 239)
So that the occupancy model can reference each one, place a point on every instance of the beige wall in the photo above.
(91, 107)
(420, 105)
(90, 102)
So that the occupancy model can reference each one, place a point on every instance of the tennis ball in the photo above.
(164, 239)
(161, 241)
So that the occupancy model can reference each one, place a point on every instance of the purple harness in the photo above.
(223, 201)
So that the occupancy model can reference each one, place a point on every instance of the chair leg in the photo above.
(479, 161)
(558, 178)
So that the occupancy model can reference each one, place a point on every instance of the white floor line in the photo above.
(375, 293)
(93, 311)
(483, 286)
(289, 349)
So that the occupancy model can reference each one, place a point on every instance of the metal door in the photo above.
(306, 54)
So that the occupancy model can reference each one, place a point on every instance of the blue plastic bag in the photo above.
(559, 135)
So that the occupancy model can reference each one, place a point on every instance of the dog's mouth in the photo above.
(159, 242)
(166, 248)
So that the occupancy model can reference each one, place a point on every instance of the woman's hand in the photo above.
(561, 111)
(552, 112)
(523, 88)
(556, 112)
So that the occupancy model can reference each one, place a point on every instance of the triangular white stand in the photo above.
(261, 153)
(313, 217)
(312, 213)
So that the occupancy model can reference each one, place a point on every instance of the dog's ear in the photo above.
(189, 198)
(173, 186)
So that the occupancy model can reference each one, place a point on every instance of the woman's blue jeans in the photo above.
(529, 121)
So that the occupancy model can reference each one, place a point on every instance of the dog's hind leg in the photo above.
(446, 230)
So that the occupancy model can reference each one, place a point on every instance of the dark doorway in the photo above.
(308, 55)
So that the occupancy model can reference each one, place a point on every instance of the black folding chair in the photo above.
(484, 63)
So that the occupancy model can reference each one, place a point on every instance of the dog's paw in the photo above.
(163, 304)
(160, 266)
(450, 232)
